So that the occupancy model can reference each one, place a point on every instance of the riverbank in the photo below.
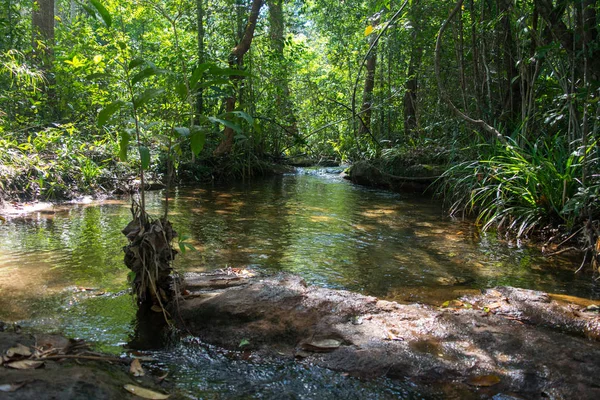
(43, 366)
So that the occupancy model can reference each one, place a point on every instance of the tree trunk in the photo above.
(236, 60)
(512, 89)
(282, 99)
(43, 29)
(367, 99)
(412, 83)
(200, 21)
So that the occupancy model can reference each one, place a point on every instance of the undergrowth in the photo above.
(525, 188)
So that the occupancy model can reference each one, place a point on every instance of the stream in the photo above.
(61, 270)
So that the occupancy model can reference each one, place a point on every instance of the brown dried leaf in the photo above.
(136, 368)
(25, 364)
(18, 351)
(145, 393)
(484, 380)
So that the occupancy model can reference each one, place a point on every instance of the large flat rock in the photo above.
(506, 341)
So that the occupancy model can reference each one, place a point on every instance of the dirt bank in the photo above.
(59, 368)
(505, 341)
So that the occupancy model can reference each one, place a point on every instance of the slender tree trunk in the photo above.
(370, 67)
(200, 21)
(282, 99)
(512, 83)
(236, 60)
(410, 108)
(412, 87)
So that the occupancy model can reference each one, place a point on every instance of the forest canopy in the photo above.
(503, 94)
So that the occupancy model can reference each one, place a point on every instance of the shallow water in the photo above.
(62, 268)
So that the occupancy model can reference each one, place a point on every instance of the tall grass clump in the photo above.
(521, 188)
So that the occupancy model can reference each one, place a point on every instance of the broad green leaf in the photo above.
(243, 115)
(228, 124)
(123, 145)
(144, 156)
(136, 62)
(197, 74)
(90, 11)
(197, 140)
(143, 74)
(148, 95)
(181, 91)
(106, 17)
(105, 114)
(182, 131)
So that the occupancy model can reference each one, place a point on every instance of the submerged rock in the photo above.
(469, 347)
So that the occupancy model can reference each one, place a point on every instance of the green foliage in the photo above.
(519, 188)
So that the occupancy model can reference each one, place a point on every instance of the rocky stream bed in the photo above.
(505, 343)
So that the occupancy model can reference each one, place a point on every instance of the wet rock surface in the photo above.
(504, 342)
(416, 178)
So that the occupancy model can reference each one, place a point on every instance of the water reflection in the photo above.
(327, 230)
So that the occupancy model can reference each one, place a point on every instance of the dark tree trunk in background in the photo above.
(282, 99)
(512, 84)
(43, 30)
(200, 21)
(412, 88)
(367, 99)
(236, 60)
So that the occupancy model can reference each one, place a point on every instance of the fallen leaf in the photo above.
(25, 364)
(145, 393)
(136, 368)
(493, 306)
(321, 346)
(162, 378)
(156, 308)
(391, 335)
(18, 350)
(11, 387)
(484, 380)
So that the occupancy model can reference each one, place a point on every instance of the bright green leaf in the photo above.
(106, 17)
(228, 124)
(143, 74)
(148, 95)
(123, 145)
(197, 140)
(144, 156)
(105, 114)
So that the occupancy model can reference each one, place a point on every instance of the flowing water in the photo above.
(61, 268)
